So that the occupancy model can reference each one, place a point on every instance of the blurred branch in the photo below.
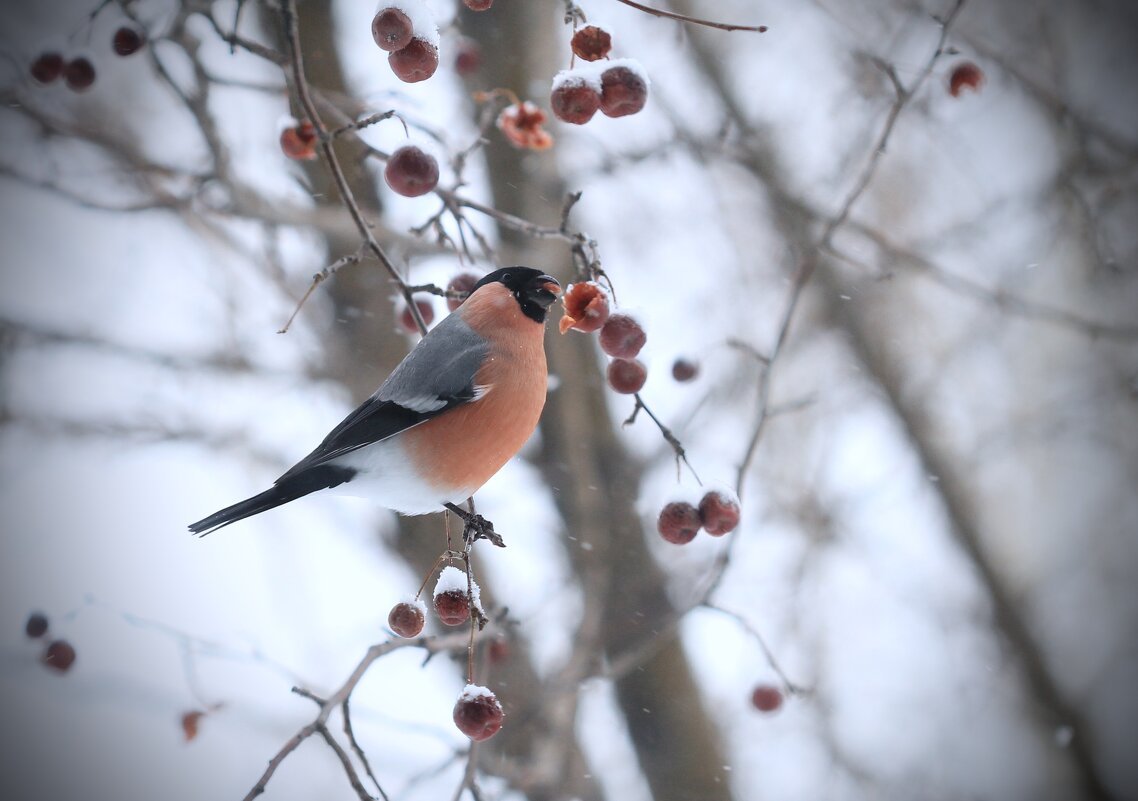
(723, 26)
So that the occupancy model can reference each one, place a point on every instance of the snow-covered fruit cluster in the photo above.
(588, 309)
(406, 31)
(451, 601)
(78, 73)
(717, 513)
(59, 655)
(615, 87)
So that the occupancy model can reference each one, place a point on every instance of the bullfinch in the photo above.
(462, 402)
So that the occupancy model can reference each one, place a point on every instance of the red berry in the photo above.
(127, 41)
(574, 101)
(407, 319)
(415, 62)
(965, 76)
(622, 337)
(521, 124)
(59, 655)
(406, 619)
(719, 512)
(452, 607)
(392, 29)
(586, 307)
(478, 5)
(627, 376)
(684, 369)
(678, 522)
(591, 43)
(499, 650)
(766, 698)
(463, 282)
(36, 625)
(298, 142)
(467, 57)
(623, 91)
(190, 721)
(79, 74)
(47, 67)
(411, 172)
(477, 713)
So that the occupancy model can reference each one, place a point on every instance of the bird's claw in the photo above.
(476, 527)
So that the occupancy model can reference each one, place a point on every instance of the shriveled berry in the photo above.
(467, 57)
(586, 307)
(478, 5)
(406, 619)
(392, 29)
(684, 369)
(719, 512)
(127, 41)
(678, 522)
(627, 376)
(965, 75)
(591, 43)
(417, 61)
(766, 698)
(47, 67)
(79, 74)
(463, 282)
(452, 607)
(621, 336)
(190, 721)
(521, 124)
(623, 91)
(411, 172)
(574, 102)
(298, 142)
(59, 655)
(36, 625)
(477, 713)
(407, 319)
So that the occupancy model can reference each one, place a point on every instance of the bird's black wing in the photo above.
(438, 375)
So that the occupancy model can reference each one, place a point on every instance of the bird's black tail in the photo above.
(304, 483)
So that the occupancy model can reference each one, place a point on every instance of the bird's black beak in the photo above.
(544, 289)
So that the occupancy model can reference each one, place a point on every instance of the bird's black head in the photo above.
(534, 290)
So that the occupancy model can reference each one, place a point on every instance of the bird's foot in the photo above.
(476, 527)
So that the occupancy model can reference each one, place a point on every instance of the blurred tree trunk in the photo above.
(595, 481)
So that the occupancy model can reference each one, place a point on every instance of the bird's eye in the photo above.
(506, 278)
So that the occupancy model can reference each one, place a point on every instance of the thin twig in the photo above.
(723, 26)
(351, 735)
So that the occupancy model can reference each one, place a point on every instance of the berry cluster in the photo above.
(79, 73)
(587, 309)
(717, 513)
(406, 31)
(59, 655)
(616, 87)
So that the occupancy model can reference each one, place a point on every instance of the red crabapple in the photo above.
(79, 74)
(463, 282)
(411, 172)
(574, 97)
(622, 336)
(678, 522)
(415, 62)
(478, 5)
(719, 512)
(407, 319)
(591, 43)
(59, 655)
(586, 307)
(624, 89)
(406, 618)
(684, 369)
(452, 603)
(36, 625)
(47, 67)
(627, 376)
(392, 29)
(127, 41)
(766, 698)
(521, 124)
(965, 75)
(477, 713)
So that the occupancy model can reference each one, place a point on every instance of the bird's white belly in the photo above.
(384, 475)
